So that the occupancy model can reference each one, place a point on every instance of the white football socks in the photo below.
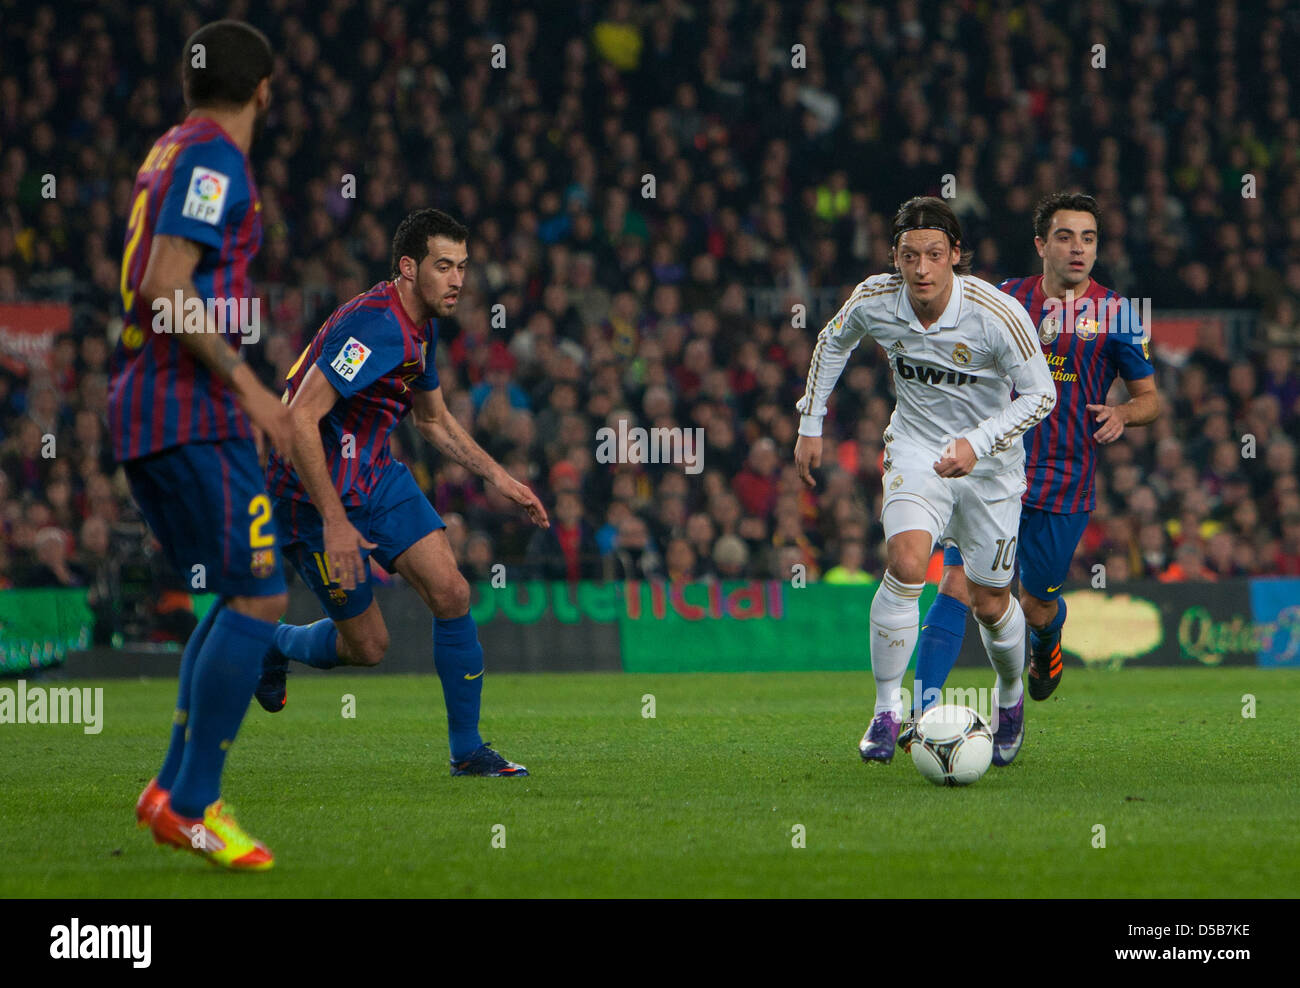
(895, 615)
(1004, 640)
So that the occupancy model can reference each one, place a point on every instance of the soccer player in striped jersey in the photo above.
(345, 498)
(182, 413)
(1089, 336)
(954, 462)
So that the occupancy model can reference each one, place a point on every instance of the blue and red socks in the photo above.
(942, 631)
(458, 657)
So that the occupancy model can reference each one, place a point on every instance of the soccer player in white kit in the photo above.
(954, 460)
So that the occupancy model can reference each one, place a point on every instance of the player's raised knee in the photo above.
(907, 553)
(908, 572)
(366, 648)
(450, 598)
(371, 652)
(990, 604)
(906, 564)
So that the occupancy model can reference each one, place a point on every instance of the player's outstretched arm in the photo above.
(343, 543)
(439, 426)
(172, 261)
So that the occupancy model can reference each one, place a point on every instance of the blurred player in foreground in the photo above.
(954, 463)
(1089, 336)
(345, 497)
(182, 407)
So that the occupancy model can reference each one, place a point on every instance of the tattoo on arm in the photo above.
(451, 439)
(211, 350)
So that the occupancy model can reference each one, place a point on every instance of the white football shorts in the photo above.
(980, 515)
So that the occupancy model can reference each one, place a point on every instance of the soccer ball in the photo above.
(953, 745)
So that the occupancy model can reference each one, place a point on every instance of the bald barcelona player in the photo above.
(1089, 335)
(182, 407)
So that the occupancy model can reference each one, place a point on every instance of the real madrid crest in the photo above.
(896, 483)
(1085, 327)
(1049, 329)
(961, 354)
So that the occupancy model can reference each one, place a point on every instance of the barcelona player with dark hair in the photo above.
(183, 410)
(344, 498)
(1089, 335)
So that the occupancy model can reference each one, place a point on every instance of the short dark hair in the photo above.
(413, 233)
(236, 57)
(1052, 204)
(927, 212)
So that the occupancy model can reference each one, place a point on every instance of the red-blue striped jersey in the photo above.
(1086, 345)
(374, 356)
(197, 184)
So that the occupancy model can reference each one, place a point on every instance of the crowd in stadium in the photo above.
(777, 140)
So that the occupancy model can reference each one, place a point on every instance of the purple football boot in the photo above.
(1010, 734)
(877, 745)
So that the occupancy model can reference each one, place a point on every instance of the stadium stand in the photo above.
(775, 170)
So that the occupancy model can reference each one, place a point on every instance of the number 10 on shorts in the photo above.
(1005, 557)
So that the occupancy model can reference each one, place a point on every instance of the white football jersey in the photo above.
(953, 379)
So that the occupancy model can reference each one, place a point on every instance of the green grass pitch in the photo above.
(703, 800)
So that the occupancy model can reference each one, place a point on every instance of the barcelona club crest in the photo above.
(263, 563)
(1085, 327)
(961, 354)
(1049, 329)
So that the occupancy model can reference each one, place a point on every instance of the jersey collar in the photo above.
(948, 320)
(210, 122)
(402, 315)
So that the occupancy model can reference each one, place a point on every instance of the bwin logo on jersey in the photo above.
(930, 375)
